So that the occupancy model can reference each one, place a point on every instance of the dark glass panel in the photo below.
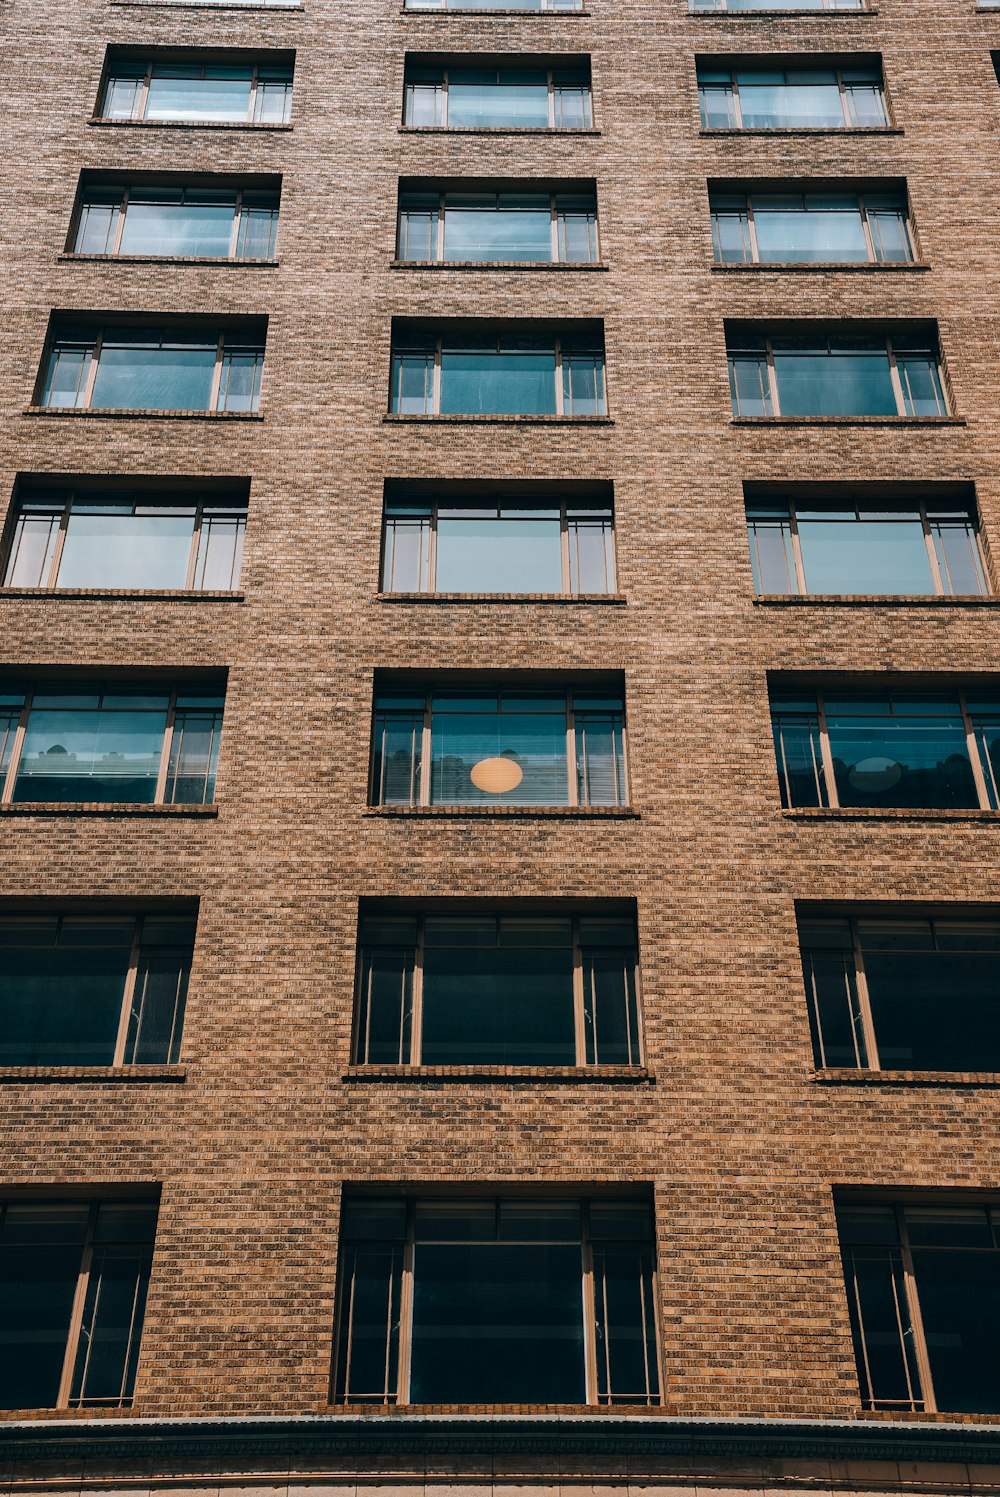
(959, 1296)
(60, 1002)
(108, 1349)
(906, 760)
(368, 1353)
(41, 1249)
(936, 1010)
(610, 1008)
(834, 1011)
(625, 1324)
(498, 1006)
(385, 1006)
(880, 1321)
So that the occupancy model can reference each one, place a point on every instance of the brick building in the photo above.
(498, 824)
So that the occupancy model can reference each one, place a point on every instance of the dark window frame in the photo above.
(811, 62)
(141, 81)
(557, 220)
(763, 191)
(554, 85)
(740, 354)
(88, 342)
(238, 191)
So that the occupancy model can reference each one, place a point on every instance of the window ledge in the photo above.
(876, 600)
(803, 130)
(227, 260)
(496, 264)
(888, 813)
(207, 5)
(848, 421)
(101, 808)
(618, 599)
(850, 267)
(148, 594)
(598, 1074)
(67, 412)
(846, 1074)
(523, 813)
(499, 12)
(773, 11)
(505, 130)
(252, 125)
(93, 1073)
(512, 420)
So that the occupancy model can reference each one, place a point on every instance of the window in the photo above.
(923, 1290)
(933, 750)
(210, 93)
(475, 1300)
(491, 97)
(498, 748)
(798, 228)
(497, 989)
(547, 227)
(187, 222)
(903, 993)
(835, 374)
(118, 539)
(801, 98)
(849, 546)
(143, 745)
(122, 368)
(93, 990)
(497, 374)
(73, 1282)
(461, 545)
(776, 4)
(494, 4)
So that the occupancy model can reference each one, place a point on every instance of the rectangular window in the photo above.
(794, 228)
(489, 374)
(494, 4)
(73, 1282)
(136, 368)
(497, 989)
(93, 990)
(907, 548)
(175, 222)
(923, 1291)
(798, 98)
(473, 1300)
(777, 5)
(499, 748)
(516, 546)
(473, 97)
(835, 374)
(929, 750)
(213, 93)
(898, 993)
(110, 745)
(542, 227)
(86, 538)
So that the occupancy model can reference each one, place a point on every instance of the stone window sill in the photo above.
(102, 594)
(251, 125)
(227, 260)
(64, 413)
(593, 1074)
(534, 265)
(888, 813)
(514, 420)
(841, 1075)
(875, 600)
(617, 599)
(505, 130)
(826, 266)
(802, 130)
(841, 421)
(101, 808)
(523, 813)
(92, 1073)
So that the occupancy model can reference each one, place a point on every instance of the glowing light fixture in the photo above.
(496, 776)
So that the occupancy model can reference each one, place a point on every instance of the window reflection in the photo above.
(189, 222)
(199, 93)
(542, 227)
(843, 374)
(120, 368)
(485, 374)
(810, 227)
(798, 98)
(462, 97)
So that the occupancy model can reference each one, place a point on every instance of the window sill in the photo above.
(617, 599)
(876, 600)
(65, 412)
(206, 5)
(496, 265)
(887, 813)
(93, 1073)
(841, 421)
(227, 260)
(522, 813)
(500, 12)
(101, 808)
(513, 420)
(101, 594)
(803, 130)
(840, 1075)
(251, 125)
(504, 129)
(826, 266)
(593, 1074)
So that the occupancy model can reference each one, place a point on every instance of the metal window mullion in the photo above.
(144, 93)
(129, 1338)
(424, 788)
(752, 230)
(894, 375)
(866, 229)
(550, 85)
(234, 237)
(116, 244)
(588, 1295)
(932, 556)
(91, 380)
(797, 562)
(737, 105)
(916, 1317)
(862, 1337)
(564, 551)
(579, 998)
(431, 539)
(417, 998)
(216, 390)
(128, 996)
(843, 98)
(16, 750)
(252, 101)
(168, 737)
(772, 378)
(571, 752)
(76, 1313)
(57, 550)
(405, 1346)
(972, 744)
(864, 1004)
(826, 755)
(444, 98)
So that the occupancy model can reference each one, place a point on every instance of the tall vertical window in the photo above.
(497, 989)
(542, 227)
(923, 1290)
(513, 546)
(216, 92)
(497, 748)
(207, 222)
(116, 539)
(93, 990)
(838, 373)
(139, 368)
(472, 1300)
(484, 96)
(73, 1282)
(497, 374)
(899, 992)
(905, 547)
(808, 97)
(885, 747)
(144, 745)
(799, 228)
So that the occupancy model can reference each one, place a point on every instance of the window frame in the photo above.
(441, 99)
(556, 227)
(747, 195)
(141, 100)
(94, 346)
(239, 193)
(769, 389)
(433, 364)
(735, 111)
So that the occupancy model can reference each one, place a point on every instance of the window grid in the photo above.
(854, 118)
(742, 359)
(241, 221)
(227, 358)
(437, 228)
(569, 360)
(869, 225)
(265, 91)
(559, 94)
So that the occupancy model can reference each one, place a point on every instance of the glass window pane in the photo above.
(412, 391)
(111, 755)
(510, 1005)
(490, 381)
(368, 1352)
(116, 547)
(959, 1296)
(177, 92)
(834, 1008)
(154, 377)
(901, 760)
(33, 550)
(591, 546)
(385, 1006)
(771, 101)
(600, 759)
(880, 1321)
(156, 225)
(625, 1325)
(824, 382)
(489, 555)
(771, 556)
(483, 758)
(108, 1349)
(156, 1014)
(397, 758)
(60, 1003)
(40, 1255)
(610, 1008)
(66, 375)
(239, 388)
(959, 559)
(807, 231)
(492, 231)
(863, 554)
(220, 552)
(801, 774)
(97, 224)
(194, 757)
(935, 1010)
(483, 98)
(749, 384)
